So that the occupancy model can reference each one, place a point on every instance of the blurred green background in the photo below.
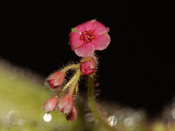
(21, 97)
(22, 94)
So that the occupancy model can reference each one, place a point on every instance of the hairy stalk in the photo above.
(72, 83)
(73, 66)
(75, 82)
(93, 108)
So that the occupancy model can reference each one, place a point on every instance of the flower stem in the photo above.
(75, 82)
(72, 83)
(93, 108)
(73, 66)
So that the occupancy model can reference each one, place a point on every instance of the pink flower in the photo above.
(89, 36)
(72, 116)
(65, 104)
(88, 65)
(50, 104)
(56, 80)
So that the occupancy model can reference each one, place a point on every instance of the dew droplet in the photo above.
(47, 117)
(173, 113)
(21, 122)
(112, 120)
(128, 122)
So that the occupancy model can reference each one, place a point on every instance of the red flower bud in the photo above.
(72, 116)
(88, 65)
(50, 104)
(65, 104)
(56, 80)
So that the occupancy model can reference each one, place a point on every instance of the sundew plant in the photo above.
(85, 39)
(70, 98)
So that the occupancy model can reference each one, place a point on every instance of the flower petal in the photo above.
(72, 116)
(74, 40)
(50, 104)
(68, 107)
(85, 50)
(101, 42)
(86, 26)
(99, 29)
(63, 102)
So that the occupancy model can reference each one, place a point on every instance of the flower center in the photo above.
(87, 36)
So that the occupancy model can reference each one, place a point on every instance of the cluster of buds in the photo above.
(66, 92)
(84, 39)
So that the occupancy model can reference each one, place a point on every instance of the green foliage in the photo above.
(21, 99)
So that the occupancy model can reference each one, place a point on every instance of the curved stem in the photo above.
(73, 66)
(93, 108)
(73, 81)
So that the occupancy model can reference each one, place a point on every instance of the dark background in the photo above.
(132, 71)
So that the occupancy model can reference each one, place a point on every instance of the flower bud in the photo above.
(72, 116)
(65, 104)
(56, 80)
(88, 65)
(50, 104)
